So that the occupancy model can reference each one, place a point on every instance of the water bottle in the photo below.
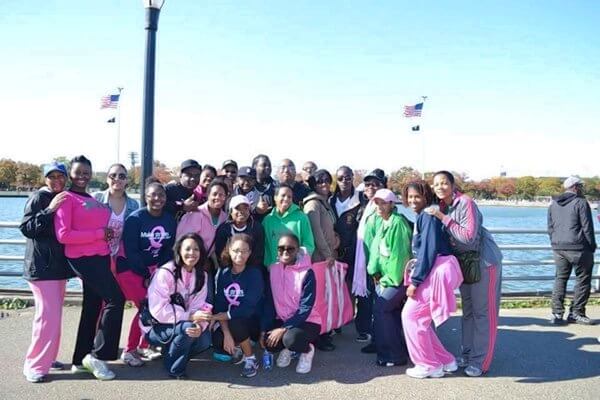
(267, 360)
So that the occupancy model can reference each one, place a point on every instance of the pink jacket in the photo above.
(79, 223)
(286, 287)
(162, 287)
(200, 221)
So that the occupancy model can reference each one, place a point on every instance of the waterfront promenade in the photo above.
(534, 360)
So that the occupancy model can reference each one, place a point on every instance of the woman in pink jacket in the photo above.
(177, 302)
(81, 224)
(297, 322)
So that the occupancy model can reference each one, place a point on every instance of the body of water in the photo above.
(11, 209)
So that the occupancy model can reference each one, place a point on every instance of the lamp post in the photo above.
(151, 26)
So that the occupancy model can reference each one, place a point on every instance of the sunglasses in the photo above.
(286, 249)
(121, 176)
(323, 181)
(345, 178)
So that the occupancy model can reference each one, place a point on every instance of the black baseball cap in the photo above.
(378, 174)
(190, 164)
(247, 172)
(229, 162)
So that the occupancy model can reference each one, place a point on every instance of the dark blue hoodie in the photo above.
(429, 241)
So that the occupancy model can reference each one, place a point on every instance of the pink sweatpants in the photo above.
(424, 347)
(132, 286)
(47, 324)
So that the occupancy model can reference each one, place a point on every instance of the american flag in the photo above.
(110, 101)
(413, 111)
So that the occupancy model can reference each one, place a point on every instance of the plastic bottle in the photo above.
(267, 360)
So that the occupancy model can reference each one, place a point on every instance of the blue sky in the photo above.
(511, 85)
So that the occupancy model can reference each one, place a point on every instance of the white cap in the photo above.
(237, 200)
(386, 195)
(572, 181)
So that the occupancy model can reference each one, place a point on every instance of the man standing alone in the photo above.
(571, 231)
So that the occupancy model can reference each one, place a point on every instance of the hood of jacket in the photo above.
(294, 209)
(565, 198)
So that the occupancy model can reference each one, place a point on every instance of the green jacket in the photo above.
(387, 247)
(294, 221)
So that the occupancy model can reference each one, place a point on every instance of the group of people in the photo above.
(224, 260)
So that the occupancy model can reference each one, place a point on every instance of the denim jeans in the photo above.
(389, 336)
(178, 351)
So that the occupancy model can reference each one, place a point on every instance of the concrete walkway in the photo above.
(534, 360)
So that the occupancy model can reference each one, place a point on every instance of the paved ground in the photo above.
(533, 360)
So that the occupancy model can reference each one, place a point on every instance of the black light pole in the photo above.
(152, 12)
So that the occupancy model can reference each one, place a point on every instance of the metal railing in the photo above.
(495, 231)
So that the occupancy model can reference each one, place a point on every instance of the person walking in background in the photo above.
(180, 195)
(474, 246)
(297, 321)
(571, 230)
(177, 300)
(121, 206)
(431, 279)
(46, 271)
(286, 217)
(387, 238)
(148, 236)
(81, 224)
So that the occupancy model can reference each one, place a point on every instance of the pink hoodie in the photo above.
(286, 286)
(162, 287)
(79, 223)
(200, 222)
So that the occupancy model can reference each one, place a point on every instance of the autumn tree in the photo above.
(8, 173)
(399, 178)
(549, 186)
(28, 175)
(526, 187)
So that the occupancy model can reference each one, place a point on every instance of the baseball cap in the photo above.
(237, 200)
(247, 172)
(386, 195)
(572, 181)
(190, 164)
(55, 166)
(229, 162)
(376, 174)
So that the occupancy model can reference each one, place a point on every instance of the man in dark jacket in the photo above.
(180, 195)
(571, 231)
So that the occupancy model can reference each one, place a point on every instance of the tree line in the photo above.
(18, 175)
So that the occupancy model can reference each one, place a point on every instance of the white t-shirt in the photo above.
(116, 222)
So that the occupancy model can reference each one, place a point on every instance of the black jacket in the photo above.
(176, 195)
(44, 256)
(346, 225)
(570, 223)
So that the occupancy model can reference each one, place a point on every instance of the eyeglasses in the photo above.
(372, 184)
(286, 249)
(323, 181)
(239, 251)
(121, 176)
(345, 178)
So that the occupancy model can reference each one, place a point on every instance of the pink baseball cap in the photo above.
(386, 195)
(237, 200)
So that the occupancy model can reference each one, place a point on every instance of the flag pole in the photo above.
(119, 126)
(422, 142)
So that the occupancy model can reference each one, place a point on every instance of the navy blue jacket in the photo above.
(429, 241)
(148, 241)
(253, 229)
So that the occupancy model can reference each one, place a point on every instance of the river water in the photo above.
(11, 209)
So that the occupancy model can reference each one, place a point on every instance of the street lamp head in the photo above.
(157, 4)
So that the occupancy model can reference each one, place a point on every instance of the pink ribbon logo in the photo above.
(232, 293)
(157, 234)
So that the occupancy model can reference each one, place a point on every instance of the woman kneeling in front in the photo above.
(176, 298)
(294, 289)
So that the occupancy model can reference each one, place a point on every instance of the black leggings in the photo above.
(102, 309)
(296, 339)
(240, 328)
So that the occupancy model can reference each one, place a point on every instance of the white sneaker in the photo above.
(78, 369)
(98, 368)
(305, 362)
(131, 358)
(284, 359)
(149, 354)
(420, 372)
(34, 377)
(450, 367)
(473, 371)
